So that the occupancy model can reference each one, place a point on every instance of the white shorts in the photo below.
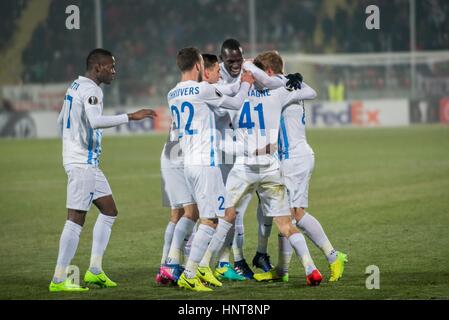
(208, 190)
(175, 192)
(272, 192)
(296, 173)
(225, 169)
(85, 184)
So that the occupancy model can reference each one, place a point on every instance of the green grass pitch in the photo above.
(382, 196)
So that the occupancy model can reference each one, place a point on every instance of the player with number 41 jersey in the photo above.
(257, 126)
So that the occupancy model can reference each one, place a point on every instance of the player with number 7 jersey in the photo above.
(80, 123)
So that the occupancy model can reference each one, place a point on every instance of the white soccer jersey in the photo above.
(193, 105)
(258, 123)
(228, 85)
(171, 156)
(292, 137)
(81, 143)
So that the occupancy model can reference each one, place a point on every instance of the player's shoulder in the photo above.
(282, 91)
(208, 91)
(185, 89)
(88, 87)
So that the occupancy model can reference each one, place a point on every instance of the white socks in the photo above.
(298, 242)
(217, 242)
(285, 255)
(188, 244)
(182, 231)
(168, 236)
(101, 235)
(239, 235)
(199, 246)
(313, 229)
(226, 250)
(68, 243)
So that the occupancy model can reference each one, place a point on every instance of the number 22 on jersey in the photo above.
(185, 107)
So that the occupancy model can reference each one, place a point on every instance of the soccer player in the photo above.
(177, 196)
(195, 102)
(212, 75)
(230, 71)
(176, 192)
(229, 85)
(257, 125)
(297, 162)
(231, 55)
(212, 69)
(81, 122)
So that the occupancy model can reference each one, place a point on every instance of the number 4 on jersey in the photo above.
(245, 118)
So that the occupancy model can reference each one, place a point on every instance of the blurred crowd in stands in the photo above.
(146, 35)
(8, 23)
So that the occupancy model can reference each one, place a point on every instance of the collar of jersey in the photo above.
(86, 78)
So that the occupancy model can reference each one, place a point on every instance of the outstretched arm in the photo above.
(263, 78)
(98, 121)
(218, 100)
(228, 89)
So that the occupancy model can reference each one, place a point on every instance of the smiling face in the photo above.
(232, 60)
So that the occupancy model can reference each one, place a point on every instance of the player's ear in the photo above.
(97, 68)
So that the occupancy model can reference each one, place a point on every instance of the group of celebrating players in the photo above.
(238, 127)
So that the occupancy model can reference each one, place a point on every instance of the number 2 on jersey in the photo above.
(221, 206)
(245, 118)
(175, 112)
(177, 116)
(189, 131)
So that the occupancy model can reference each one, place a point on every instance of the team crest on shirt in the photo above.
(218, 93)
(93, 100)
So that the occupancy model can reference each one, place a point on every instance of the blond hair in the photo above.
(270, 60)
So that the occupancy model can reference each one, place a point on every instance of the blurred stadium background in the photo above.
(405, 63)
(381, 194)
